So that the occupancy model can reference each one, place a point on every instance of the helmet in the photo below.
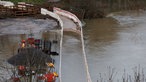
(55, 74)
(50, 64)
(23, 41)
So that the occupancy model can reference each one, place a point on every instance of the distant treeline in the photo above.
(91, 8)
(28, 1)
(98, 8)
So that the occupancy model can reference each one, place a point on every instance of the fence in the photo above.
(19, 10)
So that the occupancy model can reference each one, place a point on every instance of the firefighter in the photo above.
(50, 76)
(23, 44)
(51, 67)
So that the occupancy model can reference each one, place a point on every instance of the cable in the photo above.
(85, 58)
(60, 64)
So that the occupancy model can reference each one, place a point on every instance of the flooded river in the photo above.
(118, 41)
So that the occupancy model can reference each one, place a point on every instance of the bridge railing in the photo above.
(68, 14)
(19, 10)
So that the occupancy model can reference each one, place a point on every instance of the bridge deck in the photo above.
(69, 25)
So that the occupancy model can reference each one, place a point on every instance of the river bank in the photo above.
(98, 8)
(93, 9)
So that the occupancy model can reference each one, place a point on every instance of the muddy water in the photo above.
(118, 41)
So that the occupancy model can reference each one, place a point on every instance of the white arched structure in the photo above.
(69, 18)
(67, 14)
(53, 15)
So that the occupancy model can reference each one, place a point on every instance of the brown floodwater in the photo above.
(118, 41)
